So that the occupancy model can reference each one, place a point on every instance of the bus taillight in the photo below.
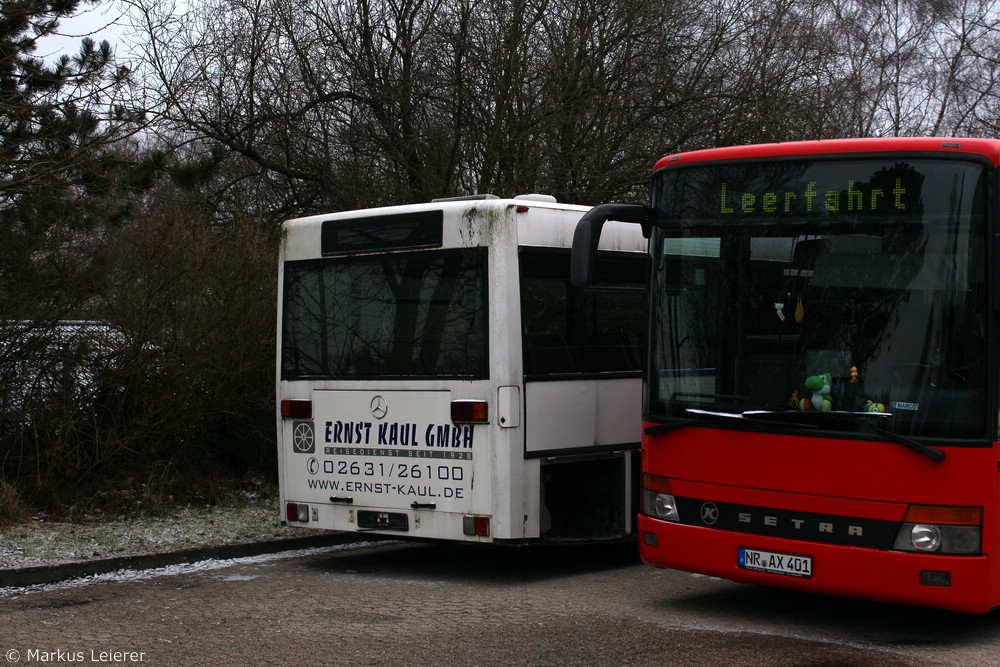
(476, 525)
(296, 408)
(469, 412)
(297, 512)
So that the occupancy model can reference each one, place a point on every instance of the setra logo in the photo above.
(709, 513)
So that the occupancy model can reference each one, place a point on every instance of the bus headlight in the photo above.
(943, 530)
(965, 539)
(657, 499)
(660, 505)
(925, 538)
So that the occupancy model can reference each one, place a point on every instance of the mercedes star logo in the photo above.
(709, 513)
(379, 407)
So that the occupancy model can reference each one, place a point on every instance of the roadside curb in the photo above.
(49, 574)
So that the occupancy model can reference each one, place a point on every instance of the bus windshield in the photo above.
(844, 286)
(417, 314)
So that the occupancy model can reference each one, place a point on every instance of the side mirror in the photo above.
(587, 236)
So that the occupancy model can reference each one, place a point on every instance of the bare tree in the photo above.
(918, 68)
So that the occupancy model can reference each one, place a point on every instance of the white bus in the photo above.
(439, 377)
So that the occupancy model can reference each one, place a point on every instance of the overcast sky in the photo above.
(95, 21)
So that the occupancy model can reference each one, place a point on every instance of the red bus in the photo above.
(821, 398)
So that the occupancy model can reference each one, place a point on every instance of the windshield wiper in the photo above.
(712, 417)
(702, 415)
(860, 417)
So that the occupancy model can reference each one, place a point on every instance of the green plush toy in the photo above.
(819, 385)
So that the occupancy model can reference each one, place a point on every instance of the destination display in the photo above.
(853, 197)
(870, 189)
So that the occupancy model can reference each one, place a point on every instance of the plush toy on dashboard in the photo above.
(819, 388)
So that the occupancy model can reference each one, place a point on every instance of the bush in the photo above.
(171, 394)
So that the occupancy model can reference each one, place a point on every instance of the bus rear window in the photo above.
(418, 314)
(388, 232)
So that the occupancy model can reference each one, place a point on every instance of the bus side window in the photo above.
(544, 355)
(575, 330)
(613, 325)
(546, 303)
(609, 352)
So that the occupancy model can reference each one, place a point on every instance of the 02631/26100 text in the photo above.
(382, 470)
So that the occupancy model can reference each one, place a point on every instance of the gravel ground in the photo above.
(56, 543)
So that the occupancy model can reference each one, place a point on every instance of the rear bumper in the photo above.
(883, 576)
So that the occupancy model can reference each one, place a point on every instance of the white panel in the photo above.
(569, 414)
(560, 415)
(620, 417)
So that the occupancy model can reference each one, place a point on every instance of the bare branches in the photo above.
(348, 104)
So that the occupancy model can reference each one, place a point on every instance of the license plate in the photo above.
(775, 563)
(370, 520)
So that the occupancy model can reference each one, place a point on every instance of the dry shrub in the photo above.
(12, 510)
(187, 387)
